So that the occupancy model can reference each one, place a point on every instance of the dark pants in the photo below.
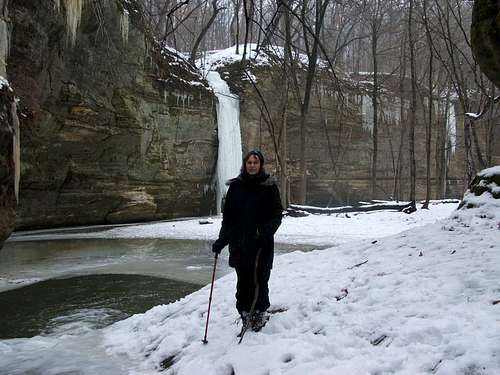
(245, 288)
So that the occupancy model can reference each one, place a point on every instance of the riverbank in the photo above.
(320, 230)
(422, 301)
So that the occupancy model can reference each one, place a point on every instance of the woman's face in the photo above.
(252, 165)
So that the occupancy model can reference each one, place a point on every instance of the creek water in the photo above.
(56, 295)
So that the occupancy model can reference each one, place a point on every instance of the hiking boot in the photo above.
(259, 320)
(245, 318)
(245, 322)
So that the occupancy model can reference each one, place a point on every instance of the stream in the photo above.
(57, 294)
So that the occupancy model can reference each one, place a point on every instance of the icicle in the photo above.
(367, 113)
(16, 149)
(73, 17)
(57, 5)
(4, 47)
(124, 25)
(393, 110)
(451, 128)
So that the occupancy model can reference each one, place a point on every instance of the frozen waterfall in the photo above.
(451, 127)
(367, 113)
(228, 124)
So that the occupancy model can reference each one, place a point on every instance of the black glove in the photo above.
(216, 248)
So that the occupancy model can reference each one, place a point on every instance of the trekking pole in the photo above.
(210, 298)
(255, 296)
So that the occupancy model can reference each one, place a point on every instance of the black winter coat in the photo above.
(251, 215)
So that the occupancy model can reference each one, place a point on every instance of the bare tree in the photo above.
(360, 35)
(204, 31)
(413, 105)
(376, 18)
(312, 57)
(430, 97)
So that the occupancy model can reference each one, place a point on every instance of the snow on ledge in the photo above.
(4, 83)
(489, 172)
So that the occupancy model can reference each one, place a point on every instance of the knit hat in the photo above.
(255, 152)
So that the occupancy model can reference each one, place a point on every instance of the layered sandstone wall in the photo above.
(114, 128)
(339, 139)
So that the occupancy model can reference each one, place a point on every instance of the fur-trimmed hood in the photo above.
(268, 180)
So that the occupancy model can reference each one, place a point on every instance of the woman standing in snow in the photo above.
(251, 215)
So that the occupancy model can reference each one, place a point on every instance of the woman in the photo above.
(251, 215)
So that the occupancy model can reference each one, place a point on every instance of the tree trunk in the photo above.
(285, 195)
(490, 126)
(247, 24)
(261, 22)
(470, 168)
(204, 32)
(274, 23)
(283, 148)
(399, 166)
(477, 147)
(302, 155)
(237, 14)
(441, 159)
(311, 70)
(375, 90)
(431, 108)
(232, 25)
(413, 105)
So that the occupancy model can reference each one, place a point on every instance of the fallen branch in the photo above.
(361, 208)
(277, 310)
(343, 295)
(357, 265)
(378, 340)
(489, 103)
(436, 365)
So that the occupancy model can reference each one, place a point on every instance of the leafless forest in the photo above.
(425, 43)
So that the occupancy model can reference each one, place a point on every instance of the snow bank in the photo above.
(422, 301)
(320, 230)
(219, 58)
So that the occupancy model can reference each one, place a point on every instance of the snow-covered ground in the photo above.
(317, 230)
(402, 294)
(420, 301)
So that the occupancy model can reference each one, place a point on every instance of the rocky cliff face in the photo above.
(485, 35)
(339, 139)
(7, 166)
(9, 128)
(113, 128)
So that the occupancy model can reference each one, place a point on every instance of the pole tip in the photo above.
(204, 341)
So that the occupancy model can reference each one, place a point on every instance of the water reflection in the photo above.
(24, 262)
(81, 285)
(80, 304)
